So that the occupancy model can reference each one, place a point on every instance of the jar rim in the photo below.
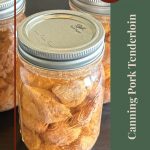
(7, 8)
(92, 6)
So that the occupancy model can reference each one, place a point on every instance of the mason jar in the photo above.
(60, 80)
(7, 50)
(101, 11)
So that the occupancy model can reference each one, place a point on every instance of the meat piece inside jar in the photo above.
(3, 84)
(108, 37)
(6, 53)
(93, 126)
(61, 134)
(46, 105)
(5, 41)
(6, 101)
(31, 139)
(84, 112)
(107, 27)
(106, 59)
(107, 90)
(6, 70)
(71, 94)
(37, 80)
(107, 71)
(32, 123)
(34, 79)
(45, 146)
(89, 133)
(84, 143)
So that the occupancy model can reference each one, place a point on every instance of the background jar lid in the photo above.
(96, 2)
(61, 39)
(7, 8)
(93, 6)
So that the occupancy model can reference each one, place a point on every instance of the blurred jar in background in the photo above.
(100, 11)
(7, 50)
(60, 80)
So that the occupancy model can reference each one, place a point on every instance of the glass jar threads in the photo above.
(7, 50)
(60, 80)
(101, 11)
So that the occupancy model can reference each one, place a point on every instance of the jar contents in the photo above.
(7, 56)
(101, 11)
(6, 70)
(60, 113)
(107, 58)
(60, 81)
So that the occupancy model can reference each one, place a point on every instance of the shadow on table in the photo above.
(6, 130)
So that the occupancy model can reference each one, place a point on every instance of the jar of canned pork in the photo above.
(7, 50)
(101, 11)
(60, 80)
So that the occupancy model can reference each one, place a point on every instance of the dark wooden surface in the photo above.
(6, 119)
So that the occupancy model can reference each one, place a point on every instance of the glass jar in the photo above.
(60, 80)
(7, 50)
(101, 11)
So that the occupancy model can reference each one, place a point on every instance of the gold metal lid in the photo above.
(92, 6)
(61, 39)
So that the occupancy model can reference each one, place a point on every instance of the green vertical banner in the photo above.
(130, 85)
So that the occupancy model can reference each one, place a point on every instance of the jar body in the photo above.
(7, 62)
(60, 110)
(105, 20)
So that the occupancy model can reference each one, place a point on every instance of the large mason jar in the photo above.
(7, 50)
(101, 11)
(60, 82)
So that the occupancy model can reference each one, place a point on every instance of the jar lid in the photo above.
(7, 8)
(95, 2)
(61, 39)
(93, 6)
